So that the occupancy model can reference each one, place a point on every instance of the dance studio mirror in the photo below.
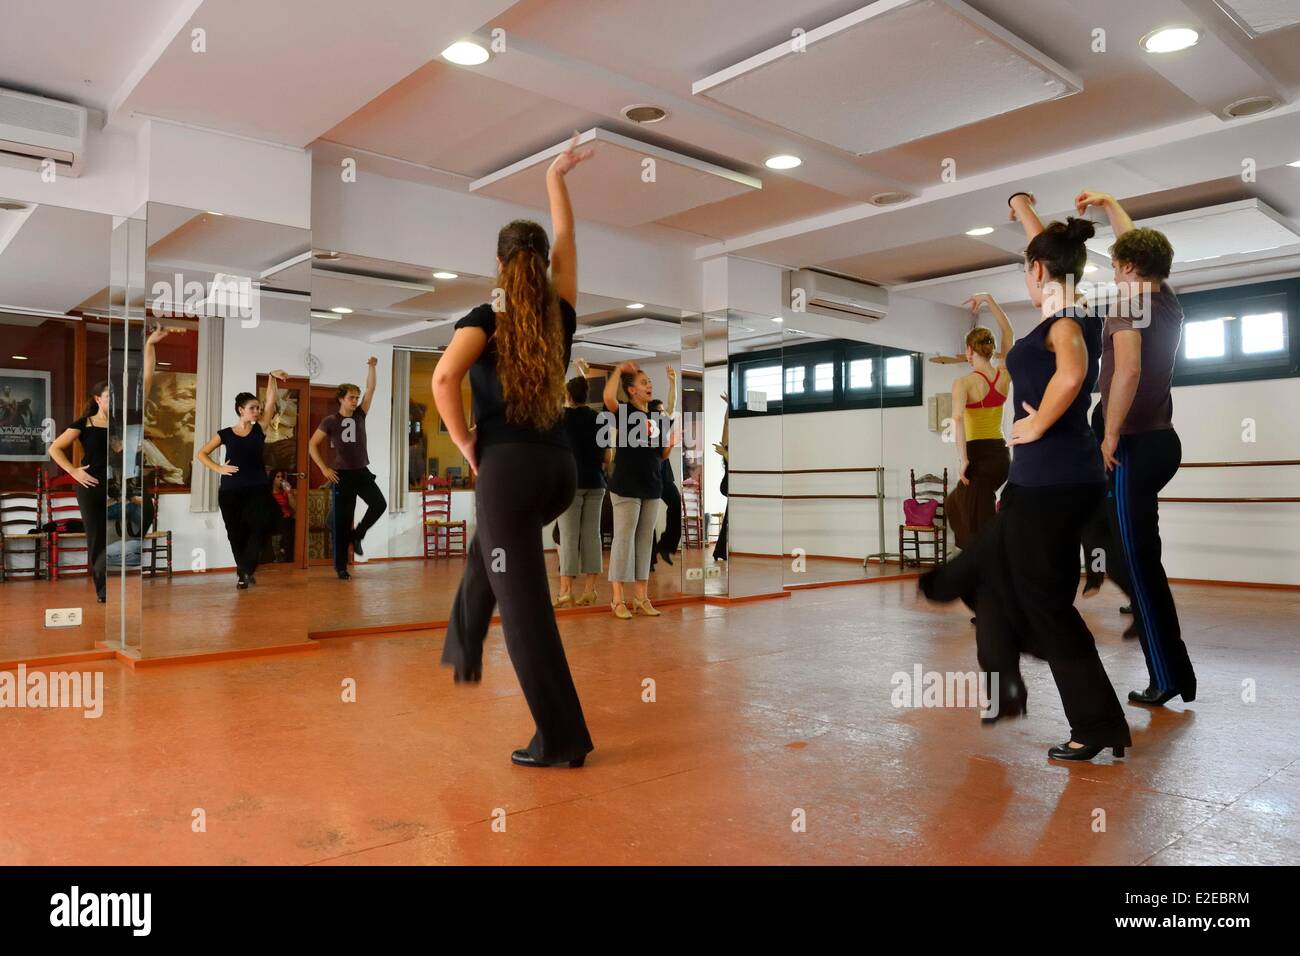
(749, 538)
(224, 353)
(417, 515)
(54, 299)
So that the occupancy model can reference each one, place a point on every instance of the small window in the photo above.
(1203, 340)
(1262, 333)
(794, 380)
(860, 376)
(898, 371)
(762, 378)
(824, 377)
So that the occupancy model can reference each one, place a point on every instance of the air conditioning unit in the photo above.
(822, 294)
(34, 129)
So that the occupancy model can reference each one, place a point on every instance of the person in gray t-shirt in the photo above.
(345, 434)
(1140, 447)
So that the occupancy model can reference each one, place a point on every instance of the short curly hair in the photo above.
(1146, 250)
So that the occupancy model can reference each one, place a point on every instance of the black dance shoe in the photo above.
(1066, 752)
(242, 584)
(1155, 697)
(1013, 701)
(356, 544)
(344, 576)
(523, 758)
(251, 578)
(101, 597)
(467, 675)
(667, 556)
(1092, 583)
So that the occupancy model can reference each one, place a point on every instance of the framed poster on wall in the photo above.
(24, 409)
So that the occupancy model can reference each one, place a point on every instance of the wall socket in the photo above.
(713, 571)
(63, 617)
(694, 574)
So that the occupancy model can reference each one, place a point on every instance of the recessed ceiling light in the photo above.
(445, 275)
(1090, 267)
(19, 358)
(777, 318)
(1295, 165)
(890, 198)
(465, 53)
(164, 364)
(211, 212)
(782, 161)
(644, 113)
(979, 231)
(328, 256)
(341, 310)
(1170, 39)
(324, 315)
(12, 205)
(636, 305)
(1250, 106)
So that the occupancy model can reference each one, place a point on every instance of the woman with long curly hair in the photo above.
(516, 351)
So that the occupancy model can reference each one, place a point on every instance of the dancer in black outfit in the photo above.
(1021, 574)
(349, 471)
(91, 429)
(526, 475)
(244, 495)
(666, 545)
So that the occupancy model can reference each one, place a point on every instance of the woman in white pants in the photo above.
(580, 550)
(643, 440)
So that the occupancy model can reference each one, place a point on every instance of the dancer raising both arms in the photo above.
(244, 494)
(516, 358)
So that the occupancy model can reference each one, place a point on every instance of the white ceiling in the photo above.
(56, 260)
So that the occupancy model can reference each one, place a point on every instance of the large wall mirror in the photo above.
(414, 516)
(224, 351)
(54, 391)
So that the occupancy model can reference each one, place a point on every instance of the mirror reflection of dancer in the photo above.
(282, 492)
(244, 495)
(665, 545)
(91, 429)
(1022, 573)
(580, 546)
(516, 359)
(977, 399)
(722, 448)
(352, 479)
(636, 487)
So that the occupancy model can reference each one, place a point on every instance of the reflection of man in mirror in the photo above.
(347, 471)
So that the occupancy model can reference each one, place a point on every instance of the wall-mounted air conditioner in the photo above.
(34, 129)
(821, 294)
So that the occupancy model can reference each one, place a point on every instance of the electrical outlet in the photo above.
(713, 572)
(63, 617)
(694, 574)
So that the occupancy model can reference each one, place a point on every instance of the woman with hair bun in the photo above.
(515, 352)
(1022, 574)
(982, 456)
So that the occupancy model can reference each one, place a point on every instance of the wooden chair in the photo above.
(157, 544)
(19, 509)
(60, 501)
(440, 529)
(935, 535)
(693, 517)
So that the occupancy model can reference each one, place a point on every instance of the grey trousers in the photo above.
(580, 551)
(634, 528)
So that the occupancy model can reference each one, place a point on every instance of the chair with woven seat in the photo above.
(441, 531)
(61, 508)
(934, 535)
(21, 510)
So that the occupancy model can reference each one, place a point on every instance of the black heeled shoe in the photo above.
(101, 597)
(1126, 609)
(1092, 583)
(344, 576)
(1133, 630)
(467, 675)
(1155, 697)
(251, 579)
(1066, 752)
(242, 583)
(1013, 701)
(523, 758)
(356, 545)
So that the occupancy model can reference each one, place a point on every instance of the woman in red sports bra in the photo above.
(983, 459)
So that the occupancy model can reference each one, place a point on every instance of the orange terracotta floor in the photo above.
(762, 710)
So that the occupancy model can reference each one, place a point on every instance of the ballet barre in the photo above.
(1230, 500)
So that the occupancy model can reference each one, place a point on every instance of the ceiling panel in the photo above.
(1238, 228)
(1257, 17)
(890, 73)
(611, 188)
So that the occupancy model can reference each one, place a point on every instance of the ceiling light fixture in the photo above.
(1295, 165)
(782, 161)
(890, 198)
(328, 256)
(979, 231)
(1090, 267)
(1250, 106)
(466, 53)
(212, 212)
(644, 113)
(636, 305)
(445, 275)
(19, 358)
(341, 310)
(777, 318)
(1170, 39)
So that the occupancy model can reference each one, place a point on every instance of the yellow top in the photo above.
(981, 423)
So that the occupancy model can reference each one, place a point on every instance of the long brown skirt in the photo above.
(971, 507)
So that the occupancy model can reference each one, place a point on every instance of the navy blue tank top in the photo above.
(245, 453)
(1068, 453)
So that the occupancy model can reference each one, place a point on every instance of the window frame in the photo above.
(839, 353)
(1234, 365)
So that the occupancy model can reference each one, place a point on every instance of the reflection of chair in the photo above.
(693, 518)
(440, 529)
(61, 509)
(157, 544)
(19, 509)
(318, 532)
(926, 488)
